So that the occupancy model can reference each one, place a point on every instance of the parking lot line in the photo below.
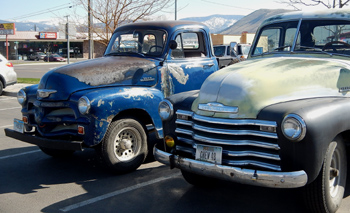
(11, 108)
(20, 154)
(118, 192)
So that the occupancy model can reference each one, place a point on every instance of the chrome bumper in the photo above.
(244, 176)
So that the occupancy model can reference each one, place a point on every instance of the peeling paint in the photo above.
(100, 102)
(107, 70)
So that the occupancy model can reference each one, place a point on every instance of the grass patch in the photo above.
(28, 80)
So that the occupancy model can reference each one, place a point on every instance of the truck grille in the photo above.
(248, 144)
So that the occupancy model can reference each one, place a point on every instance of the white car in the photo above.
(8, 76)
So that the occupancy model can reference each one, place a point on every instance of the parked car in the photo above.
(7, 74)
(111, 103)
(55, 57)
(226, 55)
(279, 119)
(242, 51)
(37, 56)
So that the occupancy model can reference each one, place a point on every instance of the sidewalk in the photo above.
(71, 60)
(13, 89)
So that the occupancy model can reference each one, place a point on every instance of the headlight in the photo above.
(21, 96)
(84, 105)
(165, 110)
(294, 127)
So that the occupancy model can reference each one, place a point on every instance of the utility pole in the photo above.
(175, 10)
(90, 25)
(67, 30)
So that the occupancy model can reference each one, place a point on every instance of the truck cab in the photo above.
(111, 103)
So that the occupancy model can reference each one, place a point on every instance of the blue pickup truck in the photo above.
(111, 103)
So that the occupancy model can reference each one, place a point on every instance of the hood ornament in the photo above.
(218, 107)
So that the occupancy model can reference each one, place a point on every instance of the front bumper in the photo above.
(234, 174)
(44, 142)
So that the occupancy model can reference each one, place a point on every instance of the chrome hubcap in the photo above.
(334, 176)
(126, 144)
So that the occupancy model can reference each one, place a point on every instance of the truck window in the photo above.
(189, 45)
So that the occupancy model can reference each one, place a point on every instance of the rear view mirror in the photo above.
(172, 44)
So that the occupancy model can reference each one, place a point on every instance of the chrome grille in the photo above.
(244, 143)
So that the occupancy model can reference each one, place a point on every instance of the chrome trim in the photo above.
(218, 107)
(44, 93)
(183, 112)
(184, 122)
(234, 132)
(234, 174)
(301, 122)
(227, 121)
(251, 153)
(171, 108)
(253, 163)
(235, 142)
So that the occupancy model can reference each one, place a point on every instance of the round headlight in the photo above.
(84, 105)
(21, 96)
(165, 110)
(293, 127)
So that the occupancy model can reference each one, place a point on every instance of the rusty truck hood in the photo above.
(100, 72)
(254, 84)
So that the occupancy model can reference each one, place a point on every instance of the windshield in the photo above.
(137, 41)
(219, 51)
(316, 36)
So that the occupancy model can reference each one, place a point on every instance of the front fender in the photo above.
(325, 118)
(108, 103)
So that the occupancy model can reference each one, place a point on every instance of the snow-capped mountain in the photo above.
(216, 23)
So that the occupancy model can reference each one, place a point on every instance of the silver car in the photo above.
(8, 76)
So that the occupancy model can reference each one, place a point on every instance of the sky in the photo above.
(43, 10)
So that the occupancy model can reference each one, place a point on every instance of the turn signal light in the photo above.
(25, 119)
(169, 141)
(81, 130)
(9, 64)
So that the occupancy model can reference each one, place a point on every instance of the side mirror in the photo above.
(172, 44)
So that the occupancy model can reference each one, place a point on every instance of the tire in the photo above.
(124, 147)
(198, 180)
(57, 153)
(1, 87)
(325, 194)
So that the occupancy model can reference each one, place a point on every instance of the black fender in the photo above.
(325, 118)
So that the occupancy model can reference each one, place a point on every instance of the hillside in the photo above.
(216, 23)
(251, 22)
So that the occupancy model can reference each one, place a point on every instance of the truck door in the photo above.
(189, 64)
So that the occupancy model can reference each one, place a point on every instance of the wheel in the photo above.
(326, 192)
(1, 87)
(197, 180)
(59, 153)
(124, 147)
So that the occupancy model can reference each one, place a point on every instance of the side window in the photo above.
(228, 50)
(268, 41)
(189, 45)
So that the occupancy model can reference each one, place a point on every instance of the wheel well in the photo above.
(139, 114)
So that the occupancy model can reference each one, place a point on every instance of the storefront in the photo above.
(24, 43)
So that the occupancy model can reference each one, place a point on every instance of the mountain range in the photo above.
(221, 24)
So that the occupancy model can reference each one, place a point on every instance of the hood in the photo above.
(100, 72)
(247, 87)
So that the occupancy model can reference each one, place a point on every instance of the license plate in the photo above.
(210, 154)
(18, 125)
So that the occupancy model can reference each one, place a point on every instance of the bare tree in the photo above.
(109, 14)
(327, 3)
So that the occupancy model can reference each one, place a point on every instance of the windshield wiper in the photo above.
(281, 48)
(316, 49)
(124, 53)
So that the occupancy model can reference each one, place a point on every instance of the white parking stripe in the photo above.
(7, 98)
(20, 154)
(11, 108)
(118, 192)
(3, 127)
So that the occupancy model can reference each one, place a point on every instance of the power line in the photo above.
(48, 10)
(226, 5)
